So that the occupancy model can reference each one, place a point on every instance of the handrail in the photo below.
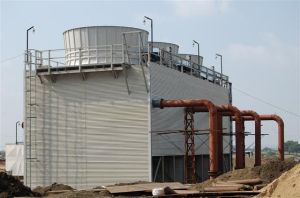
(195, 69)
(114, 54)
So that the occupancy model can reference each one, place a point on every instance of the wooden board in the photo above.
(186, 192)
(144, 187)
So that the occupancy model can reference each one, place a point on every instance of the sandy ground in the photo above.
(287, 185)
(267, 172)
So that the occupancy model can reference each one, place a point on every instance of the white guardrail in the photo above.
(119, 54)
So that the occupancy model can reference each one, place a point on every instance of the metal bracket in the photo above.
(126, 77)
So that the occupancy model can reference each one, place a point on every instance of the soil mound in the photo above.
(287, 185)
(267, 172)
(273, 169)
(53, 187)
(12, 187)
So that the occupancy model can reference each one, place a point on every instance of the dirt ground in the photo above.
(267, 172)
(71, 193)
(287, 185)
(271, 169)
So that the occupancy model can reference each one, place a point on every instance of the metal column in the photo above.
(189, 158)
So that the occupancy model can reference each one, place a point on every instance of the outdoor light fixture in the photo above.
(17, 124)
(27, 52)
(144, 21)
(221, 58)
(195, 42)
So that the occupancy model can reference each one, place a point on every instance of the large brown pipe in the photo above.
(280, 124)
(229, 110)
(213, 138)
(257, 119)
(239, 135)
(220, 141)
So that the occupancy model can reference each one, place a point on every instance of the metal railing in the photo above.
(122, 54)
(174, 61)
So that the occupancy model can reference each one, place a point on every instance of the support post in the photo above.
(189, 158)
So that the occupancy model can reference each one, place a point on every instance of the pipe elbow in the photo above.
(251, 113)
(278, 119)
(211, 107)
(234, 110)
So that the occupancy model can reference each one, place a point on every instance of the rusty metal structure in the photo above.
(216, 114)
(189, 158)
(213, 136)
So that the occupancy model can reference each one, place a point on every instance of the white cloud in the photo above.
(200, 7)
(271, 52)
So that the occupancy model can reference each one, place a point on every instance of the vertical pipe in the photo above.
(257, 142)
(239, 135)
(213, 166)
(280, 124)
(242, 144)
(220, 142)
(230, 127)
(213, 135)
(280, 139)
(254, 116)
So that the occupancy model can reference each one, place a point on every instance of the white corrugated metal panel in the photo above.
(101, 44)
(167, 83)
(14, 159)
(89, 133)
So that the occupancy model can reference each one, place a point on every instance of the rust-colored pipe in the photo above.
(280, 124)
(219, 132)
(220, 141)
(256, 118)
(239, 135)
(213, 139)
(229, 110)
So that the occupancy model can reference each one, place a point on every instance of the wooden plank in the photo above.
(247, 181)
(186, 192)
(58, 191)
(144, 187)
(222, 188)
(214, 194)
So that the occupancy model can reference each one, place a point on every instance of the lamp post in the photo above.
(195, 42)
(17, 124)
(33, 30)
(221, 57)
(148, 18)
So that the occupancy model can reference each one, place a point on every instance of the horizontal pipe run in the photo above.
(213, 136)
(229, 110)
(280, 124)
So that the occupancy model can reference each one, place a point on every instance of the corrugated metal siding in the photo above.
(171, 84)
(89, 133)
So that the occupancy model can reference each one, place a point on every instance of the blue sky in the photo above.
(259, 41)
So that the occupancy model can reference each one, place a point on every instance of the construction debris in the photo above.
(267, 172)
(144, 187)
(12, 187)
(52, 189)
